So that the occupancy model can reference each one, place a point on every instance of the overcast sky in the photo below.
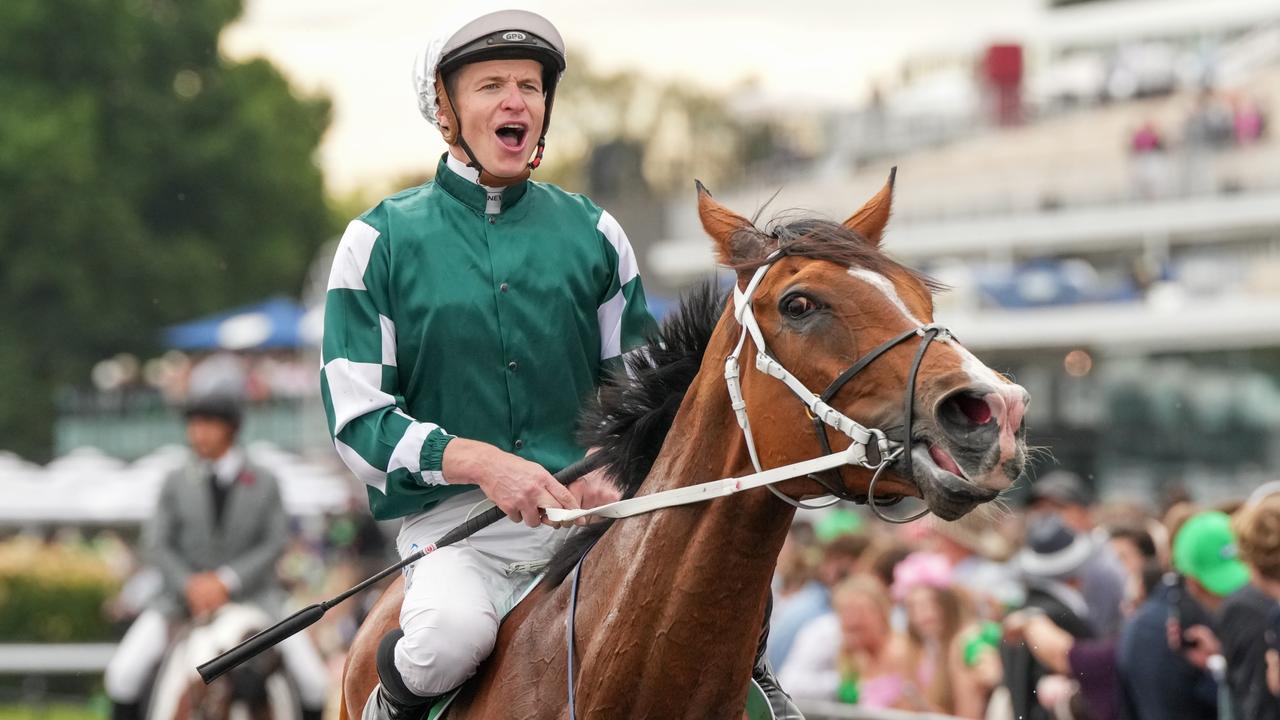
(803, 51)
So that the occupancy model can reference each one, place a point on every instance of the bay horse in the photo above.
(670, 604)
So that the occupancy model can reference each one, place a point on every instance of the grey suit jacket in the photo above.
(181, 540)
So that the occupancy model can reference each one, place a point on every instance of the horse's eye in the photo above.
(796, 306)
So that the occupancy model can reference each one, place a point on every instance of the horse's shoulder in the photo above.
(360, 674)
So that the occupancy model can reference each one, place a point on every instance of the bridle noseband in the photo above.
(870, 448)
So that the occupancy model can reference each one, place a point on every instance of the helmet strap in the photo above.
(537, 156)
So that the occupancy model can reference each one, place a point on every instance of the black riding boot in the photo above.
(391, 699)
(784, 708)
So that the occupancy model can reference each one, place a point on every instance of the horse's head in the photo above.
(826, 300)
(245, 686)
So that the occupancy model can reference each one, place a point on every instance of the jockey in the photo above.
(466, 320)
(218, 530)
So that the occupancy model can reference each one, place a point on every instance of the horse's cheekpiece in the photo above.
(874, 451)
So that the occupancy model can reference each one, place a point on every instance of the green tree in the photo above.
(144, 179)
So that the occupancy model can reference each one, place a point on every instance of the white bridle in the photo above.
(861, 437)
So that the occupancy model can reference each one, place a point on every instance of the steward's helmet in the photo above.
(220, 406)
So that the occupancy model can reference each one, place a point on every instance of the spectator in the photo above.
(1052, 564)
(1258, 530)
(852, 655)
(802, 592)
(1138, 555)
(1090, 665)
(1249, 122)
(1157, 682)
(1146, 139)
(936, 615)
(1204, 551)
(881, 557)
(1150, 166)
(977, 554)
(1134, 547)
(1102, 579)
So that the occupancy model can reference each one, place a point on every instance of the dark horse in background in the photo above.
(671, 603)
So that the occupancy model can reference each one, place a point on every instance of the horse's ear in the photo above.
(725, 227)
(871, 218)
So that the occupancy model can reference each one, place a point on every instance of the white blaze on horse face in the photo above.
(885, 286)
(1006, 399)
(978, 373)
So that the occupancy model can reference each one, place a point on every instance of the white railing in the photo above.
(838, 711)
(54, 658)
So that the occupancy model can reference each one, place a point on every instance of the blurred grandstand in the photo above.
(1112, 238)
(1102, 192)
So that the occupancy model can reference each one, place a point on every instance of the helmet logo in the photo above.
(515, 37)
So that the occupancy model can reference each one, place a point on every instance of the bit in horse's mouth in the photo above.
(947, 491)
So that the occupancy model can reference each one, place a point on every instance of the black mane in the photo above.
(633, 411)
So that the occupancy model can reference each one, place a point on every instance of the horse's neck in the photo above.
(686, 586)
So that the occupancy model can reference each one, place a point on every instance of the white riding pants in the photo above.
(456, 596)
(138, 656)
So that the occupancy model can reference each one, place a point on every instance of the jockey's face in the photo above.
(500, 104)
(210, 437)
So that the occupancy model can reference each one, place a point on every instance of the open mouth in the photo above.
(512, 135)
(946, 488)
(943, 460)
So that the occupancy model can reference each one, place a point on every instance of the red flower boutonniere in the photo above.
(246, 478)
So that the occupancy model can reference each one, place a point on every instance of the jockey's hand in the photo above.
(593, 490)
(520, 487)
(205, 593)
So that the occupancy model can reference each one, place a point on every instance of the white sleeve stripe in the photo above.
(354, 389)
(609, 315)
(609, 227)
(388, 340)
(408, 453)
(352, 258)
(367, 473)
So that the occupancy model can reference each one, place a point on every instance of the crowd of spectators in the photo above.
(1066, 608)
(1217, 121)
(258, 376)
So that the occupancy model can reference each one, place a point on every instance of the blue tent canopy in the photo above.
(273, 323)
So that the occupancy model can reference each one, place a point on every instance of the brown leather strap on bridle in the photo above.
(836, 486)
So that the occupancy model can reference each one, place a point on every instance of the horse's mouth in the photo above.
(946, 489)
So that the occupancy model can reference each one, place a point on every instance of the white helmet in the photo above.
(505, 34)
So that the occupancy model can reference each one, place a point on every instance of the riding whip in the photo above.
(307, 616)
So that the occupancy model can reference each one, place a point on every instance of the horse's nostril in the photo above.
(970, 407)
